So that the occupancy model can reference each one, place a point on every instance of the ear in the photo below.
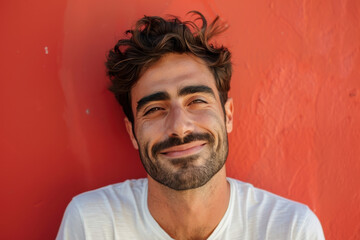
(229, 111)
(128, 126)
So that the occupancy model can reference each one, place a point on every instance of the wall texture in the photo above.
(296, 88)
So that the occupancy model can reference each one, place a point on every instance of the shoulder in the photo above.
(113, 201)
(98, 212)
(264, 200)
(278, 215)
(127, 191)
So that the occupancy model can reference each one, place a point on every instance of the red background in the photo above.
(296, 88)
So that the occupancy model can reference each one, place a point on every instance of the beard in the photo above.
(185, 173)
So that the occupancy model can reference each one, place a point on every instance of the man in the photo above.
(173, 84)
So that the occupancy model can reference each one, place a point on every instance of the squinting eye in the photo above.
(151, 110)
(197, 101)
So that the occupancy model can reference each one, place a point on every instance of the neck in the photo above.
(190, 214)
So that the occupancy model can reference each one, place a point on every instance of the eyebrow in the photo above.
(161, 96)
(158, 96)
(196, 89)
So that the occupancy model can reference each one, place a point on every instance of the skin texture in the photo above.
(181, 131)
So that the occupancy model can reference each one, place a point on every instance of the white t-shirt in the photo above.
(120, 211)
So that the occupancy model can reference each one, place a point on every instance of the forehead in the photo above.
(172, 72)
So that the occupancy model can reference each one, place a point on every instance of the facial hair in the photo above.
(181, 173)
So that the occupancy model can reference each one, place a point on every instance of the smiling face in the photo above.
(180, 125)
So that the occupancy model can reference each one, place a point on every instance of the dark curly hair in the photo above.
(152, 38)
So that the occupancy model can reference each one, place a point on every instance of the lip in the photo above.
(184, 149)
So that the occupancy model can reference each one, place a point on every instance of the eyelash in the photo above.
(197, 101)
(154, 109)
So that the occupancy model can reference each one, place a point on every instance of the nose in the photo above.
(178, 122)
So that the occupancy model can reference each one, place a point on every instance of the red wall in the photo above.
(296, 88)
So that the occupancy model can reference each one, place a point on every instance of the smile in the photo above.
(183, 150)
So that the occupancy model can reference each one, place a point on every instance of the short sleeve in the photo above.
(311, 228)
(71, 227)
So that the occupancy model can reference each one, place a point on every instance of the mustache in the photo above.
(174, 141)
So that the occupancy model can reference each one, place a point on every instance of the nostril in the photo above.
(175, 135)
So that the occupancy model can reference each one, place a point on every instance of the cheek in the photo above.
(212, 120)
(148, 132)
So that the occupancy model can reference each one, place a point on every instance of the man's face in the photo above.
(179, 124)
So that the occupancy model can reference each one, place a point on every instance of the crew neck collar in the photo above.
(163, 235)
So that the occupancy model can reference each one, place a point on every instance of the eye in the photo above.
(197, 101)
(152, 110)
